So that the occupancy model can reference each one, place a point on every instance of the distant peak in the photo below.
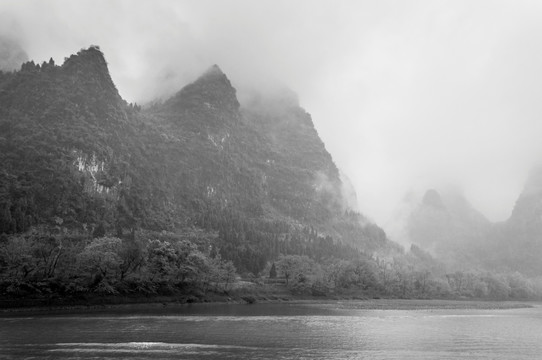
(213, 70)
(213, 74)
(432, 198)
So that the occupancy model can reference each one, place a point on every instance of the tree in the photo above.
(132, 257)
(385, 267)
(273, 272)
(520, 288)
(364, 273)
(296, 269)
(161, 260)
(6, 221)
(421, 282)
(99, 231)
(220, 272)
(497, 286)
(101, 261)
(16, 258)
(228, 274)
(403, 274)
(47, 252)
(456, 281)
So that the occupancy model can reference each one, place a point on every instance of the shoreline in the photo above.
(163, 303)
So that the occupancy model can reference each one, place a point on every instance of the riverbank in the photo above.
(247, 295)
(337, 305)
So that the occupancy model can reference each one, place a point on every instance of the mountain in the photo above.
(516, 244)
(446, 225)
(302, 181)
(527, 212)
(451, 229)
(77, 159)
(60, 126)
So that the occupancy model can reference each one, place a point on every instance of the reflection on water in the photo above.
(276, 331)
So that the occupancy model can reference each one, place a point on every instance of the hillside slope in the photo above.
(77, 159)
(516, 244)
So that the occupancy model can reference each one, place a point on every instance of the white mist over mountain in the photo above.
(405, 95)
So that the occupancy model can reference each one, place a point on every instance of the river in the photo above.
(274, 331)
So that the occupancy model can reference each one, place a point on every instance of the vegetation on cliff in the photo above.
(98, 196)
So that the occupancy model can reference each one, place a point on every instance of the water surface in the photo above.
(275, 331)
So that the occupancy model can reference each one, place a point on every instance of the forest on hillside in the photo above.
(188, 196)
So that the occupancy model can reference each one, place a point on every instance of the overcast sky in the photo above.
(407, 95)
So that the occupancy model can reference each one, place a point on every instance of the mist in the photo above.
(406, 95)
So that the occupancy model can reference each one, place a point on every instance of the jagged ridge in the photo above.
(259, 175)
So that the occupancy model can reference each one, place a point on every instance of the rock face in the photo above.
(75, 156)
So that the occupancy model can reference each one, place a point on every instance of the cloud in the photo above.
(406, 95)
(11, 54)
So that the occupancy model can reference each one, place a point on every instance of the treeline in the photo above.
(252, 243)
(403, 276)
(199, 261)
(311, 263)
(152, 263)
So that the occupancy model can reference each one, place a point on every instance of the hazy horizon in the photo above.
(406, 95)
